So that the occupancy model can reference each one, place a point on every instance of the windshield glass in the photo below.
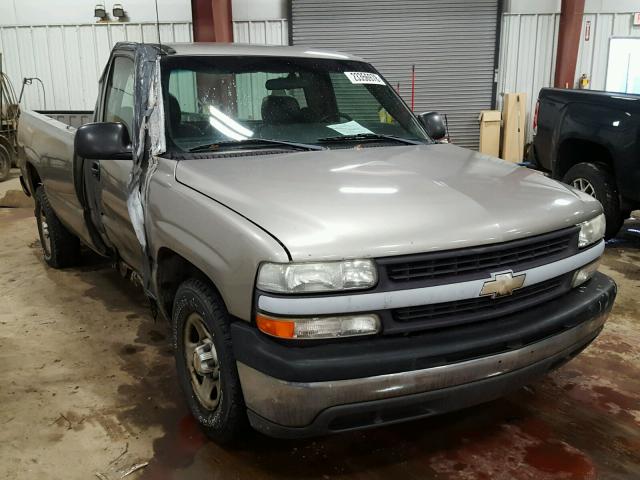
(216, 99)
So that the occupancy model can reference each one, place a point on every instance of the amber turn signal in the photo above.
(275, 327)
(319, 327)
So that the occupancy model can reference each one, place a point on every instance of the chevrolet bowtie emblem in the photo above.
(503, 284)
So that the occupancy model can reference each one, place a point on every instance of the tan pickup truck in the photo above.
(324, 262)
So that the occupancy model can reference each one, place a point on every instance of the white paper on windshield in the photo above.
(365, 78)
(349, 128)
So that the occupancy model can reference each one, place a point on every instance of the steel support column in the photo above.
(568, 42)
(212, 20)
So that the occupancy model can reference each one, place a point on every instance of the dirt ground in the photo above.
(88, 390)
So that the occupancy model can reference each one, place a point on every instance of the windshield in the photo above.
(227, 100)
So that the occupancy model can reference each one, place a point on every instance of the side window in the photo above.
(119, 95)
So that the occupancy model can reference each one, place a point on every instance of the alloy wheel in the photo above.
(584, 185)
(202, 362)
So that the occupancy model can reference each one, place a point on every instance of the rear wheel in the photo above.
(205, 361)
(596, 180)
(5, 163)
(60, 248)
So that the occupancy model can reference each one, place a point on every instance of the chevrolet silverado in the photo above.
(324, 262)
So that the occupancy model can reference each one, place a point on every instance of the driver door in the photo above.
(112, 176)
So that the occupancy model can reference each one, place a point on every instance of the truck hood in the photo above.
(382, 201)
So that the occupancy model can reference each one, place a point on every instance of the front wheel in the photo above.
(595, 180)
(205, 362)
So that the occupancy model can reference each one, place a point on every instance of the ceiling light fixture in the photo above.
(118, 11)
(100, 12)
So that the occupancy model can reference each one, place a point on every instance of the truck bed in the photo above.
(73, 118)
(46, 141)
(595, 128)
(597, 97)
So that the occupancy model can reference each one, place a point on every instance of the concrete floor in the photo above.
(88, 387)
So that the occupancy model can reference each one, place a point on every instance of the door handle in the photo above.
(95, 169)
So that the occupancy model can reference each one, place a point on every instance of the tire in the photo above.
(5, 163)
(60, 248)
(223, 421)
(597, 181)
(6, 145)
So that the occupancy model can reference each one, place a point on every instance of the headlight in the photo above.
(319, 327)
(585, 273)
(592, 231)
(317, 277)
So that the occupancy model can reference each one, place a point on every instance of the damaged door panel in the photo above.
(111, 176)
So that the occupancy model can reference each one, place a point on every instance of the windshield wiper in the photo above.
(369, 137)
(257, 142)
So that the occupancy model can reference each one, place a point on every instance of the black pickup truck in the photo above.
(591, 140)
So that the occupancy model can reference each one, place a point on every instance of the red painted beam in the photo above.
(212, 20)
(202, 13)
(568, 43)
(222, 20)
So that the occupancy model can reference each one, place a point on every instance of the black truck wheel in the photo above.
(597, 181)
(205, 362)
(60, 248)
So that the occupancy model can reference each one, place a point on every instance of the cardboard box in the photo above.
(513, 114)
(490, 123)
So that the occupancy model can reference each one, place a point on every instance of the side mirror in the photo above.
(434, 124)
(103, 141)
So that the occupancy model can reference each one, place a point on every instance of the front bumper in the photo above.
(295, 392)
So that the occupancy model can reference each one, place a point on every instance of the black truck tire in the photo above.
(224, 417)
(60, 247)
(599, 182)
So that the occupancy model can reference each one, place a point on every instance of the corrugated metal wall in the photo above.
(594, 53)
(528, 46)
(451, 42)
(69, 58)
(262, 32)
(527, 58)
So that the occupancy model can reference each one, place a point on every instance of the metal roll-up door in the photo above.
(451, 43)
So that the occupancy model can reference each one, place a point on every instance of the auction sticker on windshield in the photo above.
(365, 78)
(349, 128)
